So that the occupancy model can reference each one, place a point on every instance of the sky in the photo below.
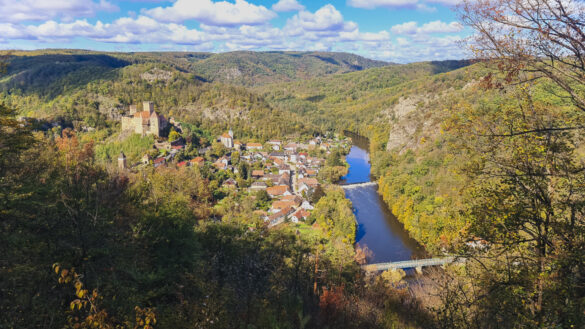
(398, 31)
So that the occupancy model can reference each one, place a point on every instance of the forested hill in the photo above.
(354, 100)
(34, 69)
(259, 68)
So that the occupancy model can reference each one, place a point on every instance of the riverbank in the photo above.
(378, 229)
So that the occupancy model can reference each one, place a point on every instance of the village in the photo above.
(284, 172)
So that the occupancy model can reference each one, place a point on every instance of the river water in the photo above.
(378, 228)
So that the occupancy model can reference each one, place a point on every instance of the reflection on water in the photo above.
(359, 166)
(378, 229)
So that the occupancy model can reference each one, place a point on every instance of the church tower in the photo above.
(122, 161)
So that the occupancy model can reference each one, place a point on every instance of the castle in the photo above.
(145, 122)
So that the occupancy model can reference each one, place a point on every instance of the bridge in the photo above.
(417, 264)
(356, 185)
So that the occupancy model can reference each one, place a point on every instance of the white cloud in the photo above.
(42, 10)
(446, 2)
(324, 29)
(327, 18)
(221, 13)
(428, 28)
(287, 5)
(371, 4)
(393, 4)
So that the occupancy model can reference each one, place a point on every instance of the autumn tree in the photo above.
(523, 140)
(529, 40)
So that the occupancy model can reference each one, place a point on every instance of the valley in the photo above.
(248, 189)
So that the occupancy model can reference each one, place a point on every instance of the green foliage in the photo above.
(259, 68)
(134, 147)
(334, 214)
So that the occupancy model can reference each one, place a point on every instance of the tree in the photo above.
(526, 190)
(531, 39)
(173, 135)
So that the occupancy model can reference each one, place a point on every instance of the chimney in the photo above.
(148, 106)
(122, 161)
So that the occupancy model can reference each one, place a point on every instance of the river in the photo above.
(378, 228)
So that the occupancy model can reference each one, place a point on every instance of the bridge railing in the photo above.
(415, 263)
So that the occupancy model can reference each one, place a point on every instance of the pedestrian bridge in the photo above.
(417, 264)
(356, 185)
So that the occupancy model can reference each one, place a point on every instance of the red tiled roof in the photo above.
(197, 160)
(282, 204)
(309, 181)
(280, 214)
(226, 135)
(182, 164)
(143, 114)
(277, 190)
(257, 172)
(301, 213)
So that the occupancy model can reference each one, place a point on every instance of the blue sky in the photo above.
(392, 30)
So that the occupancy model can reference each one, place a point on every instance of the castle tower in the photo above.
(154, 124)
(132, 109)
(122, 161)
(231, 133)
(148, 106)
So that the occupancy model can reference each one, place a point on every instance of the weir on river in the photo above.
(357, 185)
(377, 228)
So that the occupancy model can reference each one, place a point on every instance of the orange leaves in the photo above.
(85, 309)
(145, 318)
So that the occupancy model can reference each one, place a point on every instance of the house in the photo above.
(307, 205)
(299, 215)
(311, 182)
(227, 139)
(279, 205)
(257, 174)
(302, 187)
(145, 122)
(284, 179)
(253, 146)
(221, 165)
(297, 199)
(197, 161)
(279, 217)
(311, 172)
(277, 155)
(182, 164)
(284, 169)
(278, 190)
(238, 145)
(257, 186)
(230, 183)
(275, 144)
(291, 147)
